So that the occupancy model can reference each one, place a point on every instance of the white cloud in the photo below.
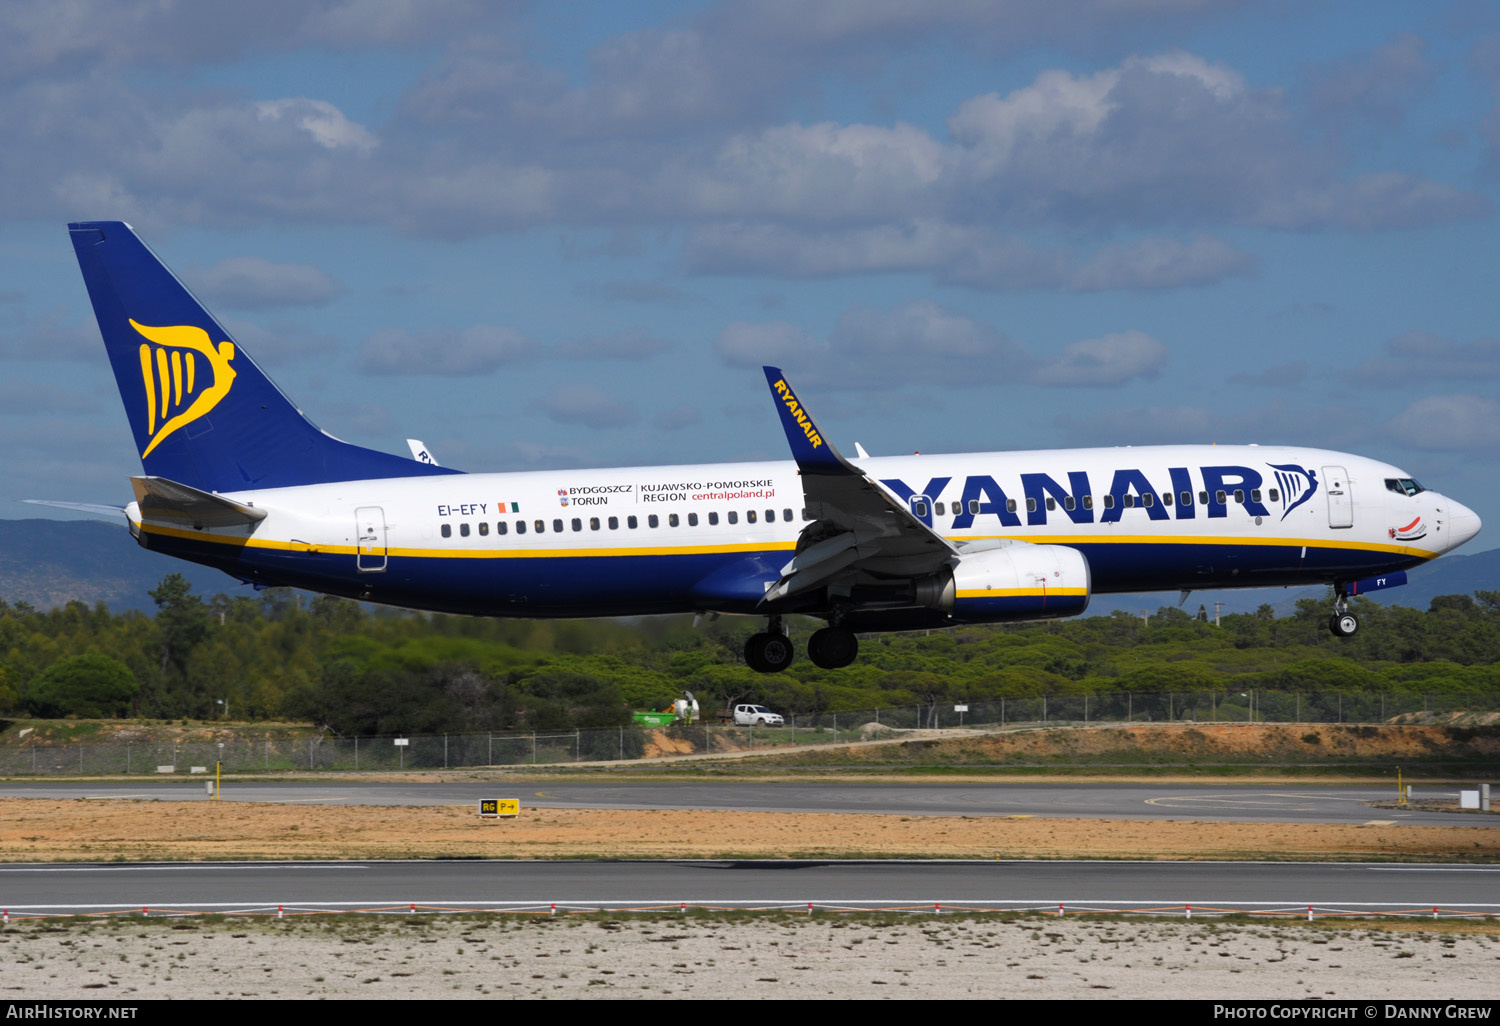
(1160, 263)
(742, 344)
(923, 343)
(250, 283)
(588, 405)
(320, 119)
(480, 349)
(1106, 360)
(51, 337)
(968, 256)
(1452, 423)
(1414, 356)
(623, 345)
(1375, 84)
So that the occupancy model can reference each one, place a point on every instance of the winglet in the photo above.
(810, 447)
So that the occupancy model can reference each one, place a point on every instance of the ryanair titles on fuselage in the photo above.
(1213, 489)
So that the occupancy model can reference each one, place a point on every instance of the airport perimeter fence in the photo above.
(707, 737)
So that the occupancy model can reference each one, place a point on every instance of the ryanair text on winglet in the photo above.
(795, 408)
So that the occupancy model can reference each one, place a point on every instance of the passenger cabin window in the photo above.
(614, 523)
(770, 516)
(1255, 495)
(1274, 495)
(484, 528)
(1148, 499)
(1203, 498)
(593, 523)
(520, 527)
(1239, 496)
(1088, 502)
(501, 527)
(1068, 502)
(1219, 497)
(577, 524)
(463, 530)
(557, 525)
(632, 523)
(653, 521)
(713, 520)
(734, 517)
(750, 516)
(1127, 500)
(1051, 503)
(1031, 505)
(1166, 498)
(692, 520)
(446, 530)
(786, 516)
(974, 507)
(938, 509)
(1010, 505)
(541, 526)
(1187, 498)
(1109, 502)
(919, 510)
(671, 519)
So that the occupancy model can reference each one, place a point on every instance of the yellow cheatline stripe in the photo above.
(1019, 592)
(1179, 539)
(273, 544)
(690, 550)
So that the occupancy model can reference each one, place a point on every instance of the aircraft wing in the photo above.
(857, 526)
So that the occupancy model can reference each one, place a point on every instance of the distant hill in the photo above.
(50, 563)
(1451, 575)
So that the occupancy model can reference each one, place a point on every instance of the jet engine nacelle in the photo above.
(1021, 581)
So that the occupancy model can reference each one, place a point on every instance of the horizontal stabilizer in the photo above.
(93, 509)
(178, 505)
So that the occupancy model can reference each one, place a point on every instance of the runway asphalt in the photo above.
(1162, 888)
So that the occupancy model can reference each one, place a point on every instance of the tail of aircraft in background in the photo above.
(203, 414)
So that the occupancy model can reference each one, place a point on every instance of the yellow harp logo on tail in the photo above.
(177, 391)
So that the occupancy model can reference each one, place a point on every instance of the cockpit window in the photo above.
(1403, 486)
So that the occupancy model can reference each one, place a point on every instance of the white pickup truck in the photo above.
(752, 716)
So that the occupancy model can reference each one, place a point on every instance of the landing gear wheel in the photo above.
(832, 648)
(1343, 625)
(768, 653)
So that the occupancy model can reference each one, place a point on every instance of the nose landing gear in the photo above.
(1342, 624)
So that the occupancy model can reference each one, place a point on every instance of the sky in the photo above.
(567, 234)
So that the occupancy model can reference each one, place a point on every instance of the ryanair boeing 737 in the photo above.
(237, 478)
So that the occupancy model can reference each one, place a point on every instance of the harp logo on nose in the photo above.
(184, 374)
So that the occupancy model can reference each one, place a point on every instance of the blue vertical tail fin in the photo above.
(202, 412)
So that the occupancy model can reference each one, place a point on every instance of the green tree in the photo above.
(83, 685)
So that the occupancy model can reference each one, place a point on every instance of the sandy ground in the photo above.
(820, 956)
(41, 830)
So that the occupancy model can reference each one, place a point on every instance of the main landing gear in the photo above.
(771, 651)
(1342, 624)
(832, 648)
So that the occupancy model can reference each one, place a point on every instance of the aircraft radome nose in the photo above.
(1463, 524)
